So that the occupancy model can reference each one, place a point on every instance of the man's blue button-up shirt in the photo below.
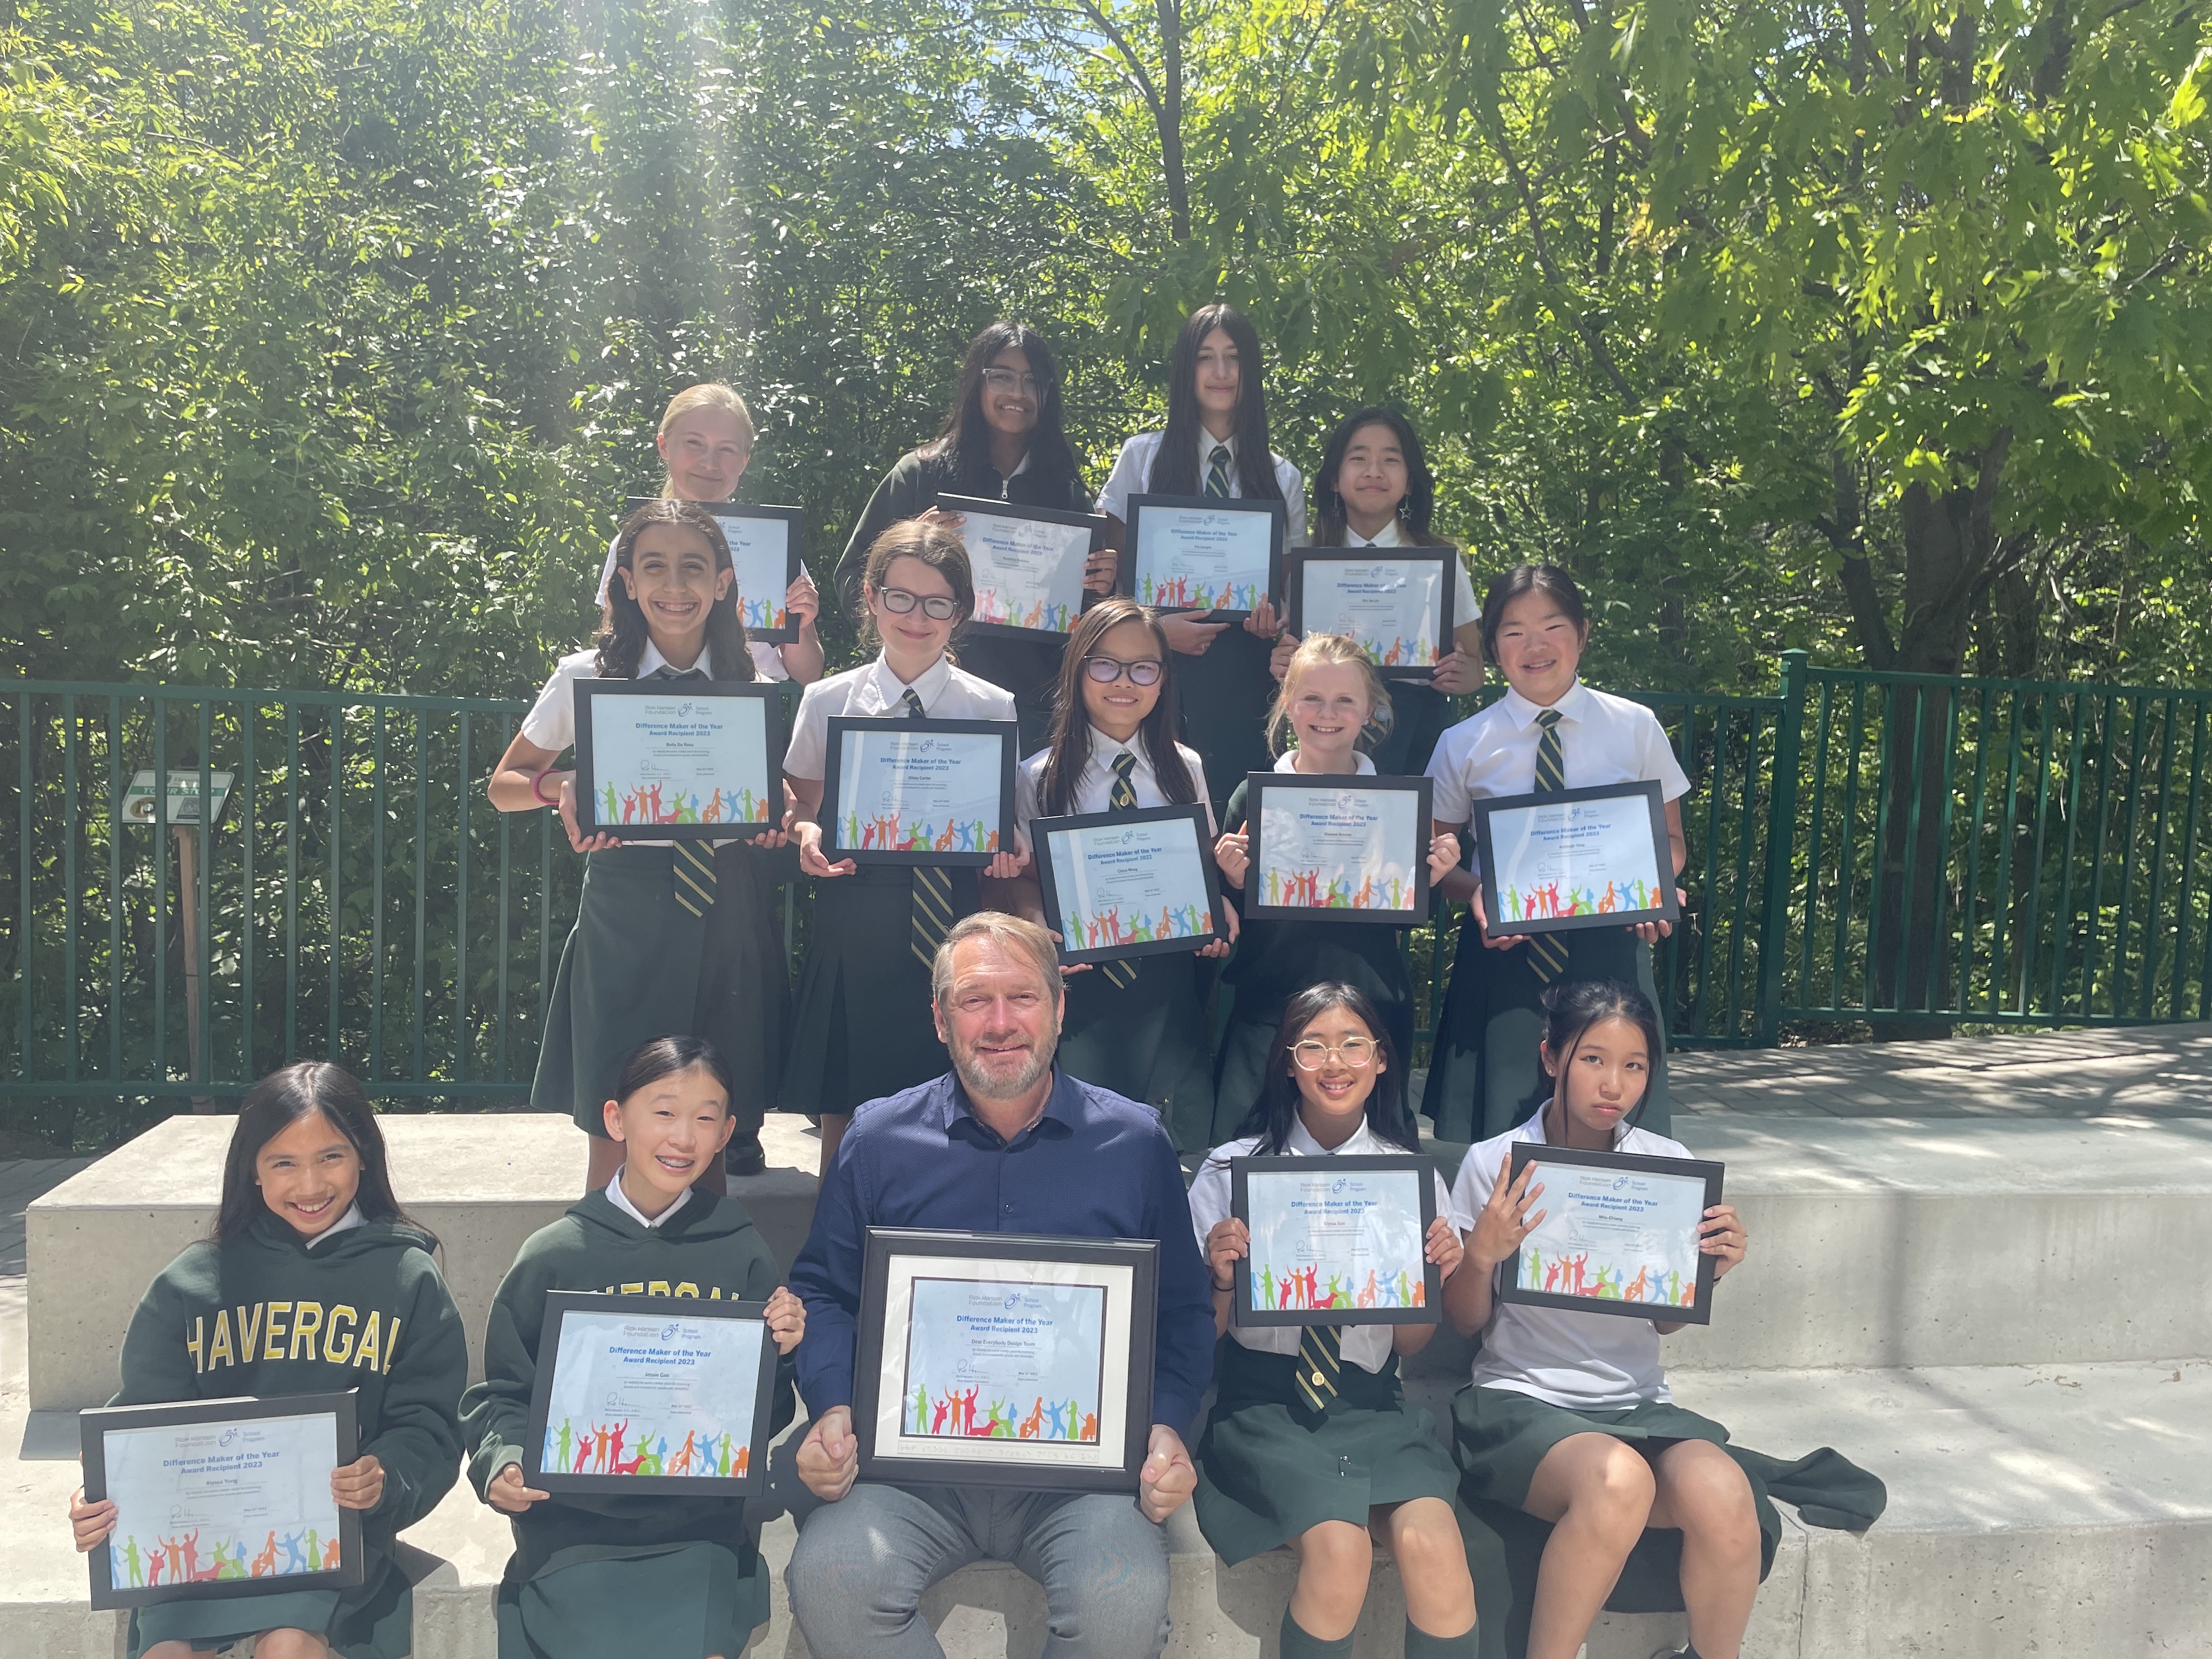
(1095, 1165)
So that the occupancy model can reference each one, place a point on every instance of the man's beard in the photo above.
(983, 1085)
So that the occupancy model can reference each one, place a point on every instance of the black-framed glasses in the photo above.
(937, 607)
(1006, 380)
(1357, 1053)
(1146, 671)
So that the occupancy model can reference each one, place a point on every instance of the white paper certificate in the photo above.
(653, 1395)
(760, 554)
(1621, 1235)
(201, 1501)
(679, 759)
(1129, 884)
(1575, 858)
(1196, 558)
(1336, 1238)
(1027, 572)
(1325, 848)
(913, 792)
(1392, 608)
(989, 1355)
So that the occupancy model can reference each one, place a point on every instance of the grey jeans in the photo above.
(861, 1564)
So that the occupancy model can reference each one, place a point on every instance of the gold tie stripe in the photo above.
(931, 909)
(1121, 975)
(1321, 1365)
(1547, 952)
(694, 860)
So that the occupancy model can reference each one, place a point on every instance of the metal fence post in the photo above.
(1781, 843)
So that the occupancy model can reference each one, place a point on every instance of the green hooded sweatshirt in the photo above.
(264, 1315)
(569, 1549)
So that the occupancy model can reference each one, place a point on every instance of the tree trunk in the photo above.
(1171, 163)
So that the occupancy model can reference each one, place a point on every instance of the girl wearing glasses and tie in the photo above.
(1548, 732)
(864, 1028)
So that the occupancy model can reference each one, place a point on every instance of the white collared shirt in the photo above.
(947, 691)
(1582, 1361)
(1363, 765)
(767, 661)
(1094, 790)
(1464, 607)
(1603, 739)
(353, 1217)
(1133, 476)
(1367, 1346)
(620, 1200)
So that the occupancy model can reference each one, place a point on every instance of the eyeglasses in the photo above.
(1146, 671)
(937, 607)
(1357, 1053)
(1005, 379)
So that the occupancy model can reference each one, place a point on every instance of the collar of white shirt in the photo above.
(1532, 1131)
(1523, 713)
(1363, 767)
(890, 690)
(1394, 535)
(620, 1200)
(353, 1217)
(1362, 1142)
(1206, 445)
(651, 662)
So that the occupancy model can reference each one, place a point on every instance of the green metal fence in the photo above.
(1864, 847)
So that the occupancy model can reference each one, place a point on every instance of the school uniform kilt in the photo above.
(638, 965)
(1269, 1469)
(1223, 697)
(1028, 668)
(1419, 715)
(380, 1627)
(674, 1601)
(864, 1028)
(1147, 1041)
(1485, 1076)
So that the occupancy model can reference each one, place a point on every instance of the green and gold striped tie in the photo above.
(1321, 1365)
(1547, 952)
(932, 886)
(1121, 975)
(694, 860)
(1217, 471)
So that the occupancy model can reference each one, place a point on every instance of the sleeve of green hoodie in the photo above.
(418, 1433)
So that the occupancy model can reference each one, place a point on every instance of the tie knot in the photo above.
(1547, 718)
(911, 698)
(1124, 763)
(1219, 457)
(669, 671)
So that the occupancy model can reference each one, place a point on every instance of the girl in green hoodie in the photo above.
(593, 1575)
(314, 1280)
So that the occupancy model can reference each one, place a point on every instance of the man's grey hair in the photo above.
(1012, 933)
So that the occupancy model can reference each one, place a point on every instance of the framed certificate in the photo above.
(1396, 604)
(651, 1393)
(918, 791)
(221, 1498)
(1203, 552)
(1128, 883)
(766, 544)
(1619, 1235)
(678, 760)
(1028, 564)
(1002, 1359)
(1337, 848)
(1582, 858)
(1335, 1241)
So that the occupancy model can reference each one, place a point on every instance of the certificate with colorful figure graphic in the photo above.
(221, 1498)
(1122, 884)
(918, 791)
(1028, 564)
(765, 545)
(640, 1394)
(1202, 552)
(1582, 858)
(1003, 1360)
(1619, 1235)
(1396, 604)
(678, 760)
(1337, 848)
(1335, 1241)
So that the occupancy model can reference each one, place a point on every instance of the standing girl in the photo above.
(1001, 439)
(1215, 443)
(314, 1281)
(1375, 489)
(666, 935)
(1138, 1028)
(1330, 1466)
(864, 1028)
(1548, 732)
(1332, 699)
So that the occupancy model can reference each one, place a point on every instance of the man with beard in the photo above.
(1003, 1143)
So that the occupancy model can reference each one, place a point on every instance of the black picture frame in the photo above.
(775, 729)
(94, 1425)
(1041, 833)
(982, 506)
(1277, 512)
(1299, 560)
(834, 847)
(792, 518)
(1484, 810)
(1140, 1257)
(560, 1305)
(1419, 1170)
(1699, 1312)
(1259, 786)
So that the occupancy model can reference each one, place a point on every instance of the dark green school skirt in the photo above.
(671, 1600)
(638, 965)
(1148, 1042)
(1484, 1074)
(373, 1621)
(1268, 1471)
(1224, 697)
(1420, 714)
(864, 1028)
(1030, 669)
